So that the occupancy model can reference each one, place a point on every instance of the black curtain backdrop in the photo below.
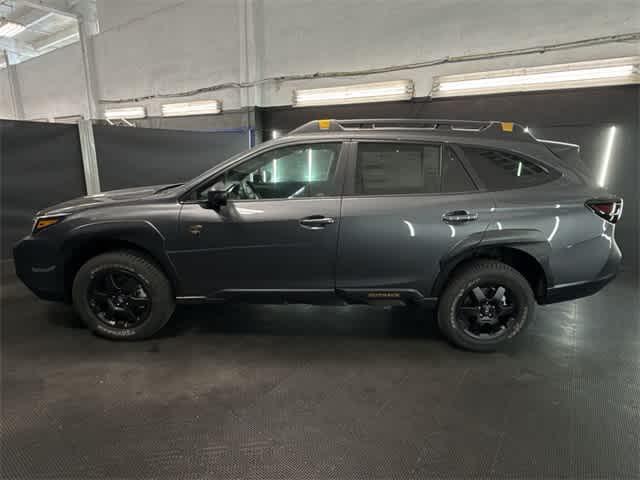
(582, 116)
(40, 165)
(132, 157)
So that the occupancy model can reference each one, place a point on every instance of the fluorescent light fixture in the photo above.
(617, 71)
(538, 78)
(11, 29)
(200, 107)
(602, 178)
(363, 93)
(127, 112)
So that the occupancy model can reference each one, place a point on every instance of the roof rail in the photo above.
(474, 126)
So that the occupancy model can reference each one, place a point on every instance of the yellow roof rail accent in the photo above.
(324, 124)
(507, 126)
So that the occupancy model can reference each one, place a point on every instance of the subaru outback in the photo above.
(479, 220)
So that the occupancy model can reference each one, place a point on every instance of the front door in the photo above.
(405, 207)
(277, 234)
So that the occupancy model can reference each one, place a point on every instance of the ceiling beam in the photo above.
(47, 8)
(17, 47)
(54, 39)
(39, 19)
(5, 10)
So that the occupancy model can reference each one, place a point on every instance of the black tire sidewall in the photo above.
(154, 281)
(469, 279)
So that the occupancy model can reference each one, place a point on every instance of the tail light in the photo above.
(609, 209)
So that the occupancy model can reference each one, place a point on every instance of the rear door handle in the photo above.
(316, 222)
(459, 216)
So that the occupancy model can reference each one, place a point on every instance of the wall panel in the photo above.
(6, 108)
(191, 45)
(52, 85)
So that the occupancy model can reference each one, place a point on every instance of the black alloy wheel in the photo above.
(486, 311)
(119, 298)
(485, 305)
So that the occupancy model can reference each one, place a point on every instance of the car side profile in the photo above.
(479, 220)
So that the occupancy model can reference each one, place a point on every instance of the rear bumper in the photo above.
(571, 291)
(39, 267)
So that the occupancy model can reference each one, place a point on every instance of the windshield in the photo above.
(223, 164)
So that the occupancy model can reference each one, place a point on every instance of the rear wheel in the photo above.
(122, 295)
(485, 305)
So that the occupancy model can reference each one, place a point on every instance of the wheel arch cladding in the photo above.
(526, 250)
(93, 239)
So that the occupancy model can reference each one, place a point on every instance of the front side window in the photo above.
(298, 171)
(405, 168)
(500, 170)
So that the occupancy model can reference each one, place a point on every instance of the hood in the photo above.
(92, 201)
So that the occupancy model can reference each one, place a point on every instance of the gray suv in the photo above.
(479, 220)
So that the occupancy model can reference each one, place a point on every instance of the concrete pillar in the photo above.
(88, 66)
(89, 159)
(251, 39)
(14, 85)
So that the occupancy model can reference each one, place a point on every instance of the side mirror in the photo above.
(217, 196)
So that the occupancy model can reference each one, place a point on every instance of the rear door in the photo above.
(406, 206)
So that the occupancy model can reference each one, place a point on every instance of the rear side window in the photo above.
(406, 168)
(501, 170)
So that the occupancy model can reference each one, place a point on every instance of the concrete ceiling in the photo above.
(50, 24)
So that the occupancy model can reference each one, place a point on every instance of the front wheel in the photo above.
(122, 295)
(485, 305)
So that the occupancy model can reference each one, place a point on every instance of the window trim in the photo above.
(350, 176)
(553, 174)
(186, 198)
(475, 178)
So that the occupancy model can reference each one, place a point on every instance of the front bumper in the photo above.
(571, 291)
(39, 265)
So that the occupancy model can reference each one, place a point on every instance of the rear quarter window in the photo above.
(502, 170)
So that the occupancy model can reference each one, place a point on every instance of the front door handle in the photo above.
(459, 216)
(316, 222)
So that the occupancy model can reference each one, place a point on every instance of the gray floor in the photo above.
(320, 392)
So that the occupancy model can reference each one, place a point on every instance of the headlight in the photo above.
(40, 223)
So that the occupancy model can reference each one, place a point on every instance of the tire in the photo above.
(152, 297)
(467, 321)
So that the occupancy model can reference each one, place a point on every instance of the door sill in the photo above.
(346, 296)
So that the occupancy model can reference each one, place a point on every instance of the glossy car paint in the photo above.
(396, 244)
(407, 237)
(256, 245)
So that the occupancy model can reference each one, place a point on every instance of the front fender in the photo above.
(141, 234)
